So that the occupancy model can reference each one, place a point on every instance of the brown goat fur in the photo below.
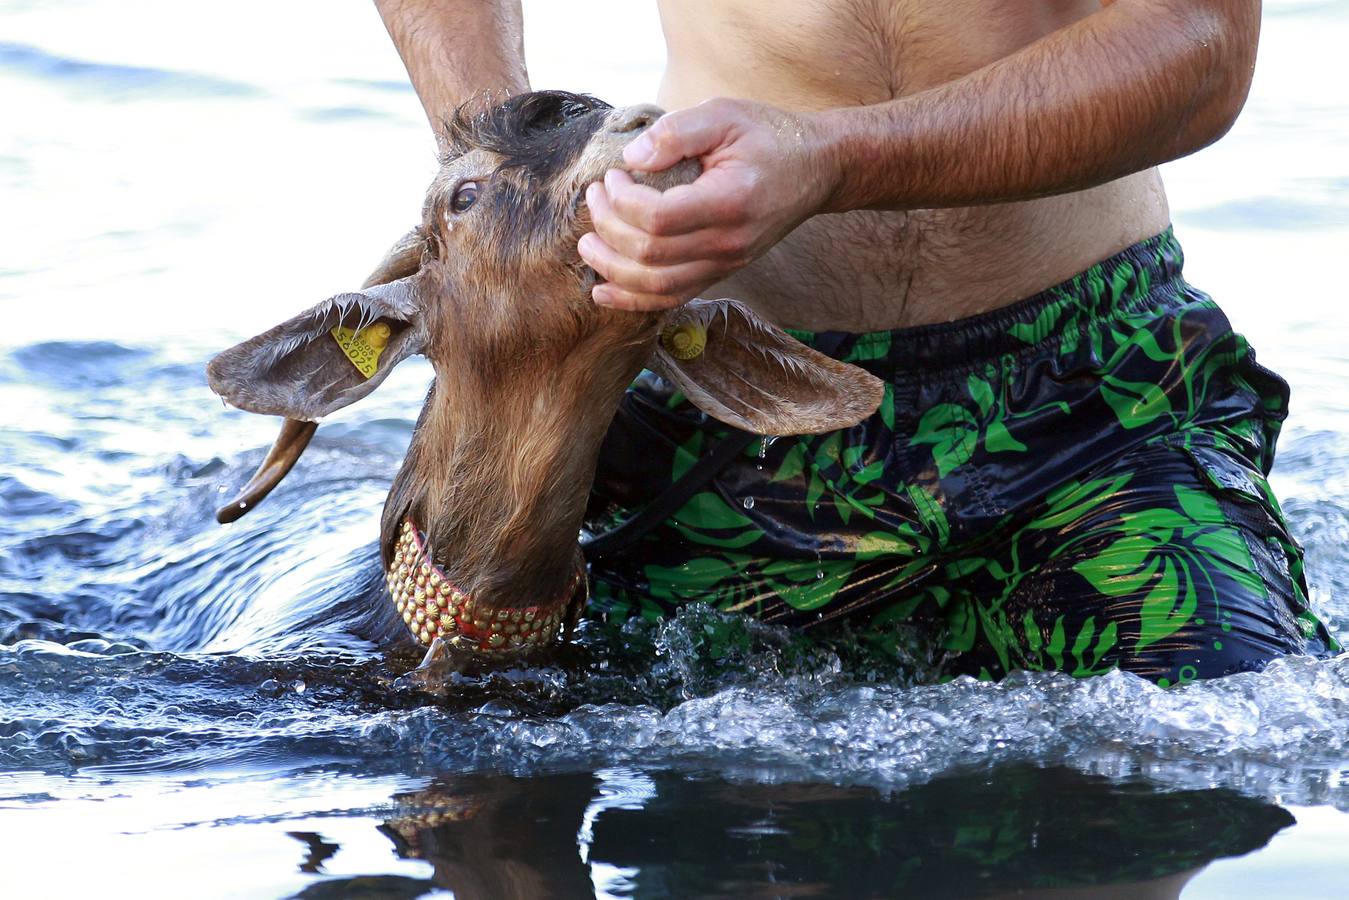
(528, 370)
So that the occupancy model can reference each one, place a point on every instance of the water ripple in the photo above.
(112, 79)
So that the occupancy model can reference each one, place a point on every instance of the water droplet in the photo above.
(819, 575)
(299, 686)
(748, 503)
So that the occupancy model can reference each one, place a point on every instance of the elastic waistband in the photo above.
(1122, 284)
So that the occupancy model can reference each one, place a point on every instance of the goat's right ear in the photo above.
(745, 371)
(324, 358)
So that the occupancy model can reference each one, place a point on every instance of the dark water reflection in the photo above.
(667, 834)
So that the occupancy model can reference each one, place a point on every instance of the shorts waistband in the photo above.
(1122, 284)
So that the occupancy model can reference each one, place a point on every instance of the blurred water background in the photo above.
(182, 714)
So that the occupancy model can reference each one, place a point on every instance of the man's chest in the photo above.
(807, 53)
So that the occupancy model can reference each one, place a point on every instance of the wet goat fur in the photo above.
(528, 370)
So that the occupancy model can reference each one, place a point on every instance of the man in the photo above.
(1068, 468)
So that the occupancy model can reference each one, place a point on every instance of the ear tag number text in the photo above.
(363, 347)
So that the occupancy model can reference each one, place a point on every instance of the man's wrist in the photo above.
(852, 160)
(816, 148)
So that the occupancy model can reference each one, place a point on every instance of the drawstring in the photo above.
(628, 532)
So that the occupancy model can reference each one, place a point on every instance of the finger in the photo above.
(614, 297)
(710, 201)
(683, 134)
(637, 278)
(639, 202)
(649, 249)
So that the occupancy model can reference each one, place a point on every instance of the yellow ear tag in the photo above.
(684, 342)
(363, 347)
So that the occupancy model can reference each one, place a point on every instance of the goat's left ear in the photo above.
(745, 372)
(325, 358)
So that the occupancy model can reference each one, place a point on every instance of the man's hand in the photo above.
(1139, 83)
(764, 172)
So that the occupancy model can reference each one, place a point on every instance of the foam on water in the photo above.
(703, 687)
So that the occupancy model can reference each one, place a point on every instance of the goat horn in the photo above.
(404, 258)
(286, 449)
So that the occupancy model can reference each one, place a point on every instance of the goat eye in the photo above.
(465, 197)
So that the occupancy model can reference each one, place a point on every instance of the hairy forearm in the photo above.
(455, 50)
(1139, 83)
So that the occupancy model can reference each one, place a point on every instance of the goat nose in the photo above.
(635, 118)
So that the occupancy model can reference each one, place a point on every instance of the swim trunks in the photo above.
(1074, 482)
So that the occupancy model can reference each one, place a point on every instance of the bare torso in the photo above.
(872, 270)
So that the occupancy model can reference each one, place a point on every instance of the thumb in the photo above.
(684, 134)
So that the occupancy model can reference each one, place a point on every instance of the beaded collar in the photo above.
(433, 607)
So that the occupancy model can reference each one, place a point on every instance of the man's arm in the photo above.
(456, 49)
(1139, 83)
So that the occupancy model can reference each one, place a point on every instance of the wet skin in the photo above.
(872, 269)
(883, 164)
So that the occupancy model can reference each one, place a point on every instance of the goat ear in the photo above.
(324, 358)
(745, 372)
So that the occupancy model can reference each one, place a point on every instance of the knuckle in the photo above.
(603, 227)
(740, 215)
(659, 221)
(661, 281)
(735, 209)
(732, 244)
(647, 249)
(666, 132)
(600, 266)
(601, 213)
(599, 262)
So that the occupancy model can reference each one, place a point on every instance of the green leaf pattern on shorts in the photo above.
(954, 431)
(1174, 564)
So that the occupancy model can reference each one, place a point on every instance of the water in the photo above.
(184, 711)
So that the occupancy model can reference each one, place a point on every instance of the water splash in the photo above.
(703, 687)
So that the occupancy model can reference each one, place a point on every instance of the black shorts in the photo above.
(1074, 482)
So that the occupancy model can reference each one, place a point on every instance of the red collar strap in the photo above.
(432, 606)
